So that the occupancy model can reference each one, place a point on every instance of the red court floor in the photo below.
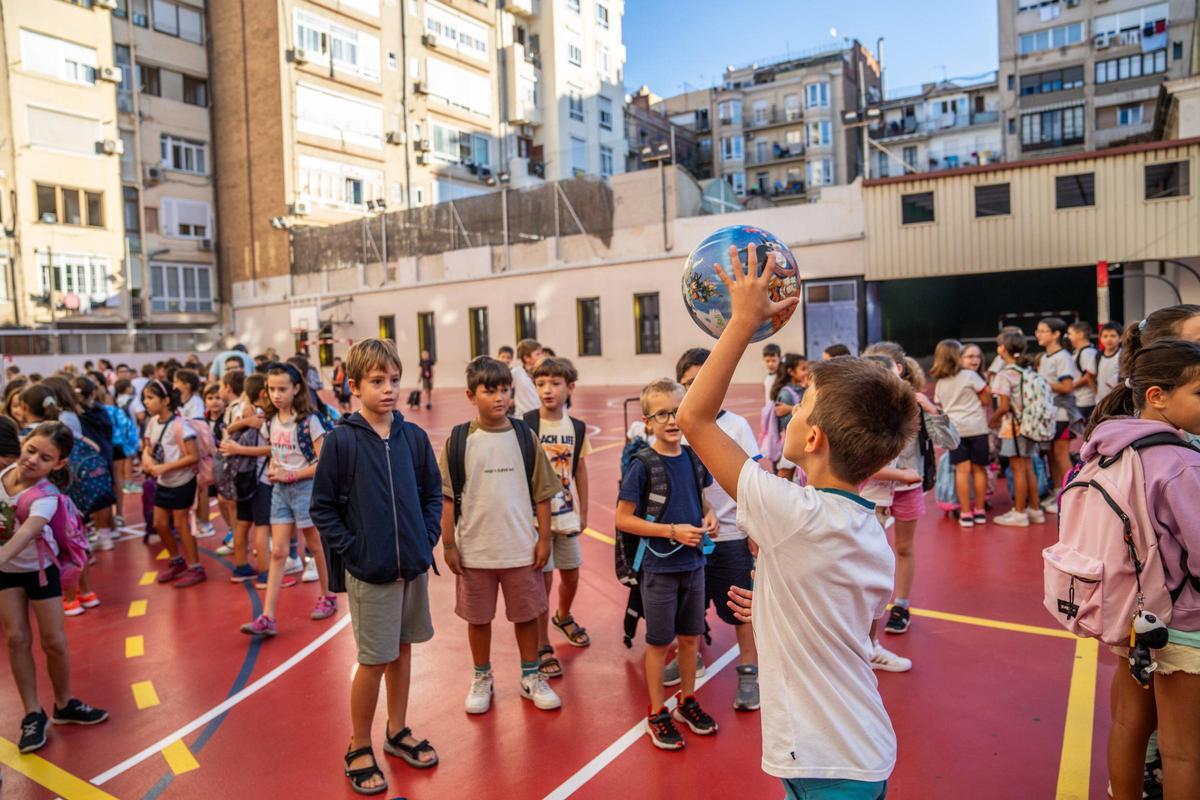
(983, 714)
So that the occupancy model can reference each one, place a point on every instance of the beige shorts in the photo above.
(523, 587)
(1172, 658)
(387, 615)
(565, 552)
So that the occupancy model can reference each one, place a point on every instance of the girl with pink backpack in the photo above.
(1137, 456)
(39, 531)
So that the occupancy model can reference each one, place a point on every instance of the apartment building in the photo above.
(1085, 74)
(693, 110)
(649, 131)
(63, 249)
(942, 126)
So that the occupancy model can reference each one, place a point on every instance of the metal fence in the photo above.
(582, 205)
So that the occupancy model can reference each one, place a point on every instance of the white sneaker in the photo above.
(1050, 505)
(1013, 519)
(118, 521)
(292, 566)
(479, 697)
(204, 530)
(535, 687)
(966, 520)
(104, 540)
(1036, 516)
(310, 572)
(886, 660)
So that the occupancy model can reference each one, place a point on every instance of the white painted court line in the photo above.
(229, 703)
(610, 753)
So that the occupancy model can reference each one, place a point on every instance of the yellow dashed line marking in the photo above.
(179, 758)
(137, 608)
(144, 695)
(163, 556)
(595, 534)
(148, 578)
(135, 646)
(50, 776)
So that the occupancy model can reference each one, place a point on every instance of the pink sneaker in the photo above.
(194, 576)
(175, 568)
(262, 626)
(326, 607)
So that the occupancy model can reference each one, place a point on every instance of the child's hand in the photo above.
(710, 522)
(229, 447)
(689, 535)
(926, 404)
(541, 552)
(453, 559)
(275, 474)
(750, 302)
(910, 476)
(741, 602)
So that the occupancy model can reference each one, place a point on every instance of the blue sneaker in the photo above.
(243, 573)
(226, 548)
(261, 581)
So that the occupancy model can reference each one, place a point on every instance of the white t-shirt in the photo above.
(233, 411)
(526, 397)
(824, 574)
(880, 492)
(1088, 359)
(1054, 368)
(558, 443)
(1108, 374)
(71, 420)
(135, 405)
(768, 385)
(193, 408)
(27, 559)
(167, 432)
(737, 428)
(285, 442)
(958, 396)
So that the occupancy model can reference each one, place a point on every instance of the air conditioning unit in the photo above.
(298, 55)
(205, 245)
(430, 40)
(423, 146)
(396, 137)
(300, 208)
(110, 5)
(154, 175)
(110, 74)
(1102, 41)
(111, 147)
(421, 87)
(423, 159)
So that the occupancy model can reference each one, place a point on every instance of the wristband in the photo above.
(673, 533)
(449, 546)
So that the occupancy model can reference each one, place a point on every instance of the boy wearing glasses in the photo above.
(670, 560)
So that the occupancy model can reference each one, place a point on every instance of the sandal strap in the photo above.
(360, 752)
(363, 772)
(398, 741)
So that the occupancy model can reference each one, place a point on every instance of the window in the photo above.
(1048, 38)
(1055, 80)
(56, 58)
(1133, 26)
(992, 201)
(762, 151)
(732, 148)
(185, 219)
(910, 156)
(141, 13)
(646, 325)
(177, 20)
(337, 116)
(575, 103)
(1167, 180)
(479, 331)
(195, 91)
(387, 328)
(816, 95)
(133, 220)
(606, 112)
(458, 146)
(916, 208)
(602, 15)
(121, 58)
(94, 202)
(1132, 66)
(181, 288)
(738, 181)
(69, 206)
(791, 107)
(149, 80)
(820, 134)
(730, 112)
(455, 31)
(573, 5)
(587, 315)
(1056, 128)
(75, 273)
(336, 184)
(57, 130)
(1075, 191)
(820, 172)
(579, 160)
(1129, 115)
(606, 161)
(526, 317)
(575, 54)
(1177, 51)
(184, 155)
(47, 203)
(603, 62)
(426, 333)
(458, 86)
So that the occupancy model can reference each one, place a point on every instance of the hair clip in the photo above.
(49, 401)
(1129, 383)
(1142, 326)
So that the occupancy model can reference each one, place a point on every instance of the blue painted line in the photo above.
(239, 682)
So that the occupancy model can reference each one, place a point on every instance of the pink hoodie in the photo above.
(1173, 497)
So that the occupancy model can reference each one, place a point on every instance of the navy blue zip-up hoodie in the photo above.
(392, 516)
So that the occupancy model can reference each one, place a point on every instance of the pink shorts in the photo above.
(908, 504)
(524, 594)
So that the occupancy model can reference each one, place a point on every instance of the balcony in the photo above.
(522, 85)
(766, 118)
(985, 117)
(521, 8)
(911, 126)
(778, 155)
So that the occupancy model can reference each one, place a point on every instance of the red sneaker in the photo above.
(194, 575)
(175, 568)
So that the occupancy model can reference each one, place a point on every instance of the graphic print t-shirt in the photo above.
(558, 443)
(285, 443)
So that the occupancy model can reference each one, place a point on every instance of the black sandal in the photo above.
(411, 753)
(548, 663)
(359, 776)
(576, 636)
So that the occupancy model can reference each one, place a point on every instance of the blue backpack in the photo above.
(91, 486)
(125, 435)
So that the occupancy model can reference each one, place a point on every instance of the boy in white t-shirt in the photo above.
(824, 569)
(1087, 362)
(1108, 369)
(524, 394)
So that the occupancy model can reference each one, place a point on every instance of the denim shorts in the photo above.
(289, 503)
(833, 789)
(673, 604)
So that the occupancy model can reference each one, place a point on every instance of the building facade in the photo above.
(945, 125)
(1084, 74)
(692, 110)
(647, 128)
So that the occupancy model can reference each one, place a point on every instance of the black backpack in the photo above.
(533, 420)
(655, 493)
(456, 459)
(928, 455)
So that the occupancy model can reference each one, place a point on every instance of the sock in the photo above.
(484, 668)
(292, 551)
(177, 560)
(902, 602)
(528, 668)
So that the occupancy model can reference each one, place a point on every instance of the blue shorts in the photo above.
(833, 789)
(289, 503)
(673, 604)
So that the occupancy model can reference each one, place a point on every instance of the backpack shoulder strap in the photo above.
(528, 451)
(1152, 440)
(345, 445)
(656, 490)
(534, 420)
(304, 437)
(456, 463)
(42, 488)
(580, 434)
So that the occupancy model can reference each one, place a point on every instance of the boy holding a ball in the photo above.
(824, 568)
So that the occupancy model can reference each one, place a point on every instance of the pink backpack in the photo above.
(69, 535)
(770, 443)
(1106, 565)
(205, 447)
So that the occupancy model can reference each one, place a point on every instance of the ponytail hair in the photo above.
(1167, 364)
(787, 362)
(947, 359)
(1165, 323)
(64, 442)
(41, 400)
(64, 393)
(1012, 339)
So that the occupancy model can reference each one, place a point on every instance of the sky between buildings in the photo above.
(674, 46)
